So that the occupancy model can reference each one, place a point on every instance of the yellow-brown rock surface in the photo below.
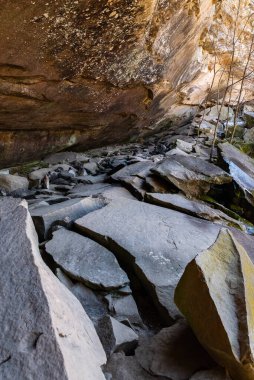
(86, 73)
(216, 295)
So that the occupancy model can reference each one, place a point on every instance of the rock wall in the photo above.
(86, 73)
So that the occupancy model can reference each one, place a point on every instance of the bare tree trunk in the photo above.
(228, 80)
(242, 84)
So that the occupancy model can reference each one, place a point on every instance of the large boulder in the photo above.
(154, 243)
(11, 183)
(192, 175)
(45, 332)
(215, 294)
(88, 73)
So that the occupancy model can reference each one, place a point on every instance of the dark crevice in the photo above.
(153, 314)
(6, 360)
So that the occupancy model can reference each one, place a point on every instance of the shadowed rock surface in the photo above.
(173, 353)
(86, 73)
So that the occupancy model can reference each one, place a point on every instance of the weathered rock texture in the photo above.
(86, 73)
(45, 332)
(215, 294)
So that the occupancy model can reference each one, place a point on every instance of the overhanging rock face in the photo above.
(87, 73)
(45, 333)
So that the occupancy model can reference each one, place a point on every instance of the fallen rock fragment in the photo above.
(241, 168)
(86, 261)
(124, 367)
(72, 209)
(140, 169)
(45, 333)
(192, 175)
(156, 243)
(173, 353)
(115, 336)
(124, 309)
(215, 294)
(9, 183)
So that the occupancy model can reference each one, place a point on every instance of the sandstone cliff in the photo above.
(86, 73)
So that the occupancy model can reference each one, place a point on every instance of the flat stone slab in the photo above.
(45, 333)
(156, 242)
(241, 168)
(86, 190)
(44, 217)
(192, 175)
(140, 169)
(194, 207)
(86, 261)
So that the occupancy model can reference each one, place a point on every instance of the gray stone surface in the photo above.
(86, 190)
(86, 261)
(45, 333)
(192, 175)
(115, 192)
(72, 209)
(249, 136)
(140, 169)
(241, 168)
(91, 300)
(156, 242)
(124, 308)
(121, 367)
(194, 207)
(115, 336)
(38, 174)
(57, 158)
(211, 374)
(173, 353)
(11, 183)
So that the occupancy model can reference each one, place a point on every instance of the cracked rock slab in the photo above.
(194, 207)
(215, 294)
(44, 217)
(192, 175)
(86, 261)
(155, 242)
(45, 333)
